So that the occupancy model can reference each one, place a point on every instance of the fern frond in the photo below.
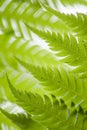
(44, 75)
(55, 114)
(76, 23)
(48, 82)
(25, 11)
(61, 83)
(22, 121)
(25, 49)
(66, 46)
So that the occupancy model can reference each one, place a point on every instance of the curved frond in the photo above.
(25, 11)
(76, 23)
(22, 121)
(44, 53)
(54, 113)
(65, 45)
(61, 83)
(11, 47)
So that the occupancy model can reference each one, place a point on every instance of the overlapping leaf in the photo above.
(72, 49)
(52, 112)
(77, 23)
(53, 91)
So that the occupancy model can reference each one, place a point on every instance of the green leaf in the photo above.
(65, 46)
(55, 114)
(48, 77)
(61, 82)
(22, 121)
(77, 23)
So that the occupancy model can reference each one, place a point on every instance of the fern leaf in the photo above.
(66, 46)
(55, 114)
(22, 121)
(45, 76)
(77, 24)
(22, 48)
(51, 82)
(64, 83)
(28, 12)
